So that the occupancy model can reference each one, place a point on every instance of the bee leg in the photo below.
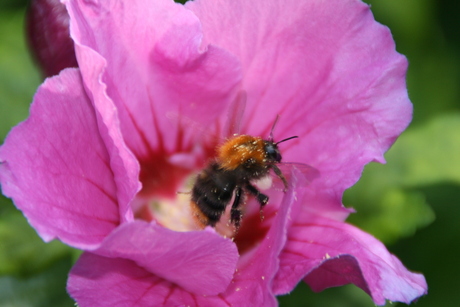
(261, 198)
(281, 176)
(235, 213)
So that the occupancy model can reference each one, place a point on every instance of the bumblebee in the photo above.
(240, 160)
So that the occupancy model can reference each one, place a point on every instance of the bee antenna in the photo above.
(270, 138)
(290, 138)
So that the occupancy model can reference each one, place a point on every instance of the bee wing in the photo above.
(298, 174)
(235, 115)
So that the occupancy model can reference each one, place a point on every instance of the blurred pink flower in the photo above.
(147, 106)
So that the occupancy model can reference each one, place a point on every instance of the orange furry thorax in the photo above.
(239, 149)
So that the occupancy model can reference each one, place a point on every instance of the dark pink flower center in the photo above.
(251, 232)
(165, 198)
(160, 178)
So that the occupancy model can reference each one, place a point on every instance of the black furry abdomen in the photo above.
(213, 191)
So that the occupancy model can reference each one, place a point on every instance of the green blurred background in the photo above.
(412, 203)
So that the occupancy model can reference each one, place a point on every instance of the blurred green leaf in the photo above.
(13, 4)
(41, 290)
(6, 206)
(385, 198)
(429, 154)
(409, 20)
(22, 252)
(18, 77)
(398, 213)
(434, 250)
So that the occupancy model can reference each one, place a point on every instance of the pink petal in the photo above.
(253, 282)
(199, 261)
(57, 169)
(100, 281)
(124, 165)
(327, 253)
(156, 69)
(329, 70)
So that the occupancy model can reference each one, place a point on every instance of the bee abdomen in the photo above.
(211, 204)
(211, 194)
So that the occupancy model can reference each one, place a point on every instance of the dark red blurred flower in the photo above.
(48, 36)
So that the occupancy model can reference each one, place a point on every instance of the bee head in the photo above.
(272, 151)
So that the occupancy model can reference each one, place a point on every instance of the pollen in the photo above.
(175, 213)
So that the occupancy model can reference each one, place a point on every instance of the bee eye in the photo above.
(273, 153)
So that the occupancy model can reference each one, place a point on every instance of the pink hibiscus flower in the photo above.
(108, 146)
